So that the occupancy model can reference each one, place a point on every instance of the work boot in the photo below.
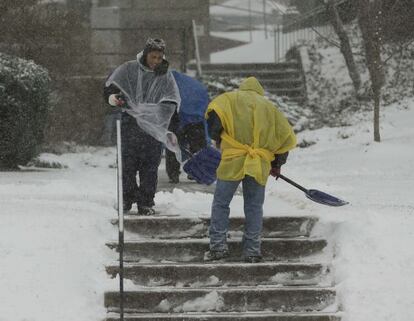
(145, 210)
(253, 259)
(127, 207)
(214, 255)
(174, 180)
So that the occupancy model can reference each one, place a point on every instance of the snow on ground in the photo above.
(261, 49)
(231, 8)
(54, 223)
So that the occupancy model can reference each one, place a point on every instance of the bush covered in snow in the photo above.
(24, 106)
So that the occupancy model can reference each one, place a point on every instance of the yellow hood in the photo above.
(252, 84)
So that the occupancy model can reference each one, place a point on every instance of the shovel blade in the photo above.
(324, 198)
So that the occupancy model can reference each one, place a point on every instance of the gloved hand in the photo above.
(275, 172)
(117, 100)
(162, 68)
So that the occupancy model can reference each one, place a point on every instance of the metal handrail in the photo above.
(120, 218)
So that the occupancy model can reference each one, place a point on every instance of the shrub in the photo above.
(24, 106)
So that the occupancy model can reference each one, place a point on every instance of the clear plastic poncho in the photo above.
(147, 96)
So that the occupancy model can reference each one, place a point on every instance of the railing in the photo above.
(283, 41)
(120, 218)
(283, 37)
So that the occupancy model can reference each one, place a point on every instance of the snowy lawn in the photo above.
(54, 223)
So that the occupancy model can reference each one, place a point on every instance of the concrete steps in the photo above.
(282, 79)
(167, 278)
(234, 299)
(223, 274)
(207, 67)
(179, 227)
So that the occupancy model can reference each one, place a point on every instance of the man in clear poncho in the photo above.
(147, 94)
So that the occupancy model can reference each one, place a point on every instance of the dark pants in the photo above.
(191, 137)
(141, 153)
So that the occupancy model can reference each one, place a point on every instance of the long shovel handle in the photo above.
(293, 183)
(317, 196)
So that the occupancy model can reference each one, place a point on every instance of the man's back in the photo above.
(254, 130)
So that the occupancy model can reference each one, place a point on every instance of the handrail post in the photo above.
(120, 218)
(197, 50)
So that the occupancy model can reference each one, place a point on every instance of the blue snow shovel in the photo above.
(202, 166)
(317, 196)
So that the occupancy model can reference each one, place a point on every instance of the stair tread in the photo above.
(207, 218)
(194, 316)
(206, 240)
(250, 313)
(235, 64)
(224, 264)
(256, 73)
(243, 288)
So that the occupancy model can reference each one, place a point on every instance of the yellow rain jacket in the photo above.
(254, 130)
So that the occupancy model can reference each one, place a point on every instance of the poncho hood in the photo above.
(252, 84)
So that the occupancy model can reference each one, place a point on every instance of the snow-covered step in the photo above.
(192, 250)
(165, 227)
(239, 299)
(257, 67)
(223, 274)
(229, 316)
(296, 83)
(291, 73)
(289, 92)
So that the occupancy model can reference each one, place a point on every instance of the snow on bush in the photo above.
(24, 106)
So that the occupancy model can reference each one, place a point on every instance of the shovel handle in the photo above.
(293, 183)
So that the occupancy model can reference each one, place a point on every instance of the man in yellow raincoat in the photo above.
(254, 138)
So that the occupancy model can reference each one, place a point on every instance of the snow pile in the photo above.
(212, 301)
(374, 259)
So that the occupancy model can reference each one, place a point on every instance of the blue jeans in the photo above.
(253, 195)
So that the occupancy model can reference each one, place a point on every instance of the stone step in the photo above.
(245, 316)
(290, 92)
(165, 227)
(192, 250)
(293, 64)
(240, 299)
(283, 83)
(224, 274)
(291, 73)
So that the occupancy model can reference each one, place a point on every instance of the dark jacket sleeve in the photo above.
(174, 123)
(279, 160)
(111, 89)
(214, 126)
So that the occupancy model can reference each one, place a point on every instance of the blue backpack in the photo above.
(194, 99)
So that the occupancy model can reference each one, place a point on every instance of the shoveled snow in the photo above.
(232, 8)
(54, 223)
(212, 301)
